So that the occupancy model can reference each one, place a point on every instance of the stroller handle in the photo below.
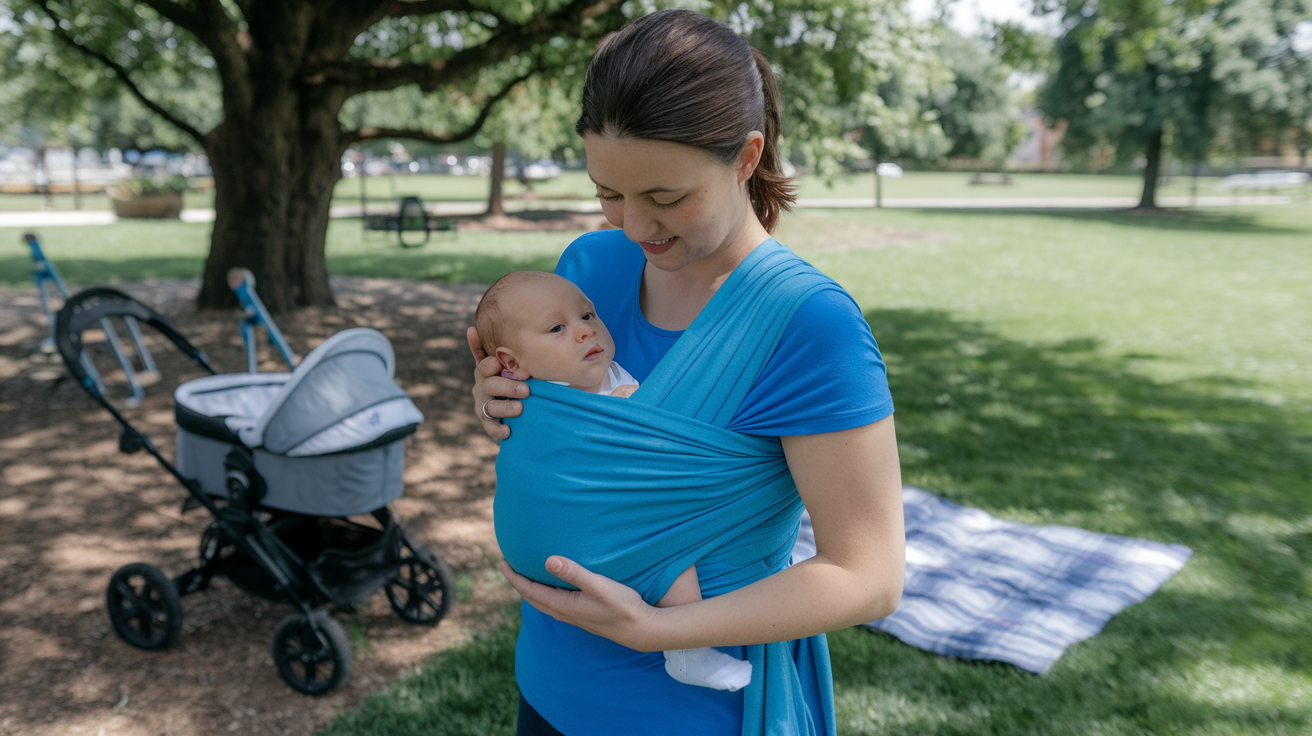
(87, 307)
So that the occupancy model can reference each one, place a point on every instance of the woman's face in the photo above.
(677, 201)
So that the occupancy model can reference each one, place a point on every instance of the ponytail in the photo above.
(771, 191)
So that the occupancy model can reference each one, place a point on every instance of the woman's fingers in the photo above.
(495, 397)
(545, 598)
(600, 605)
(475, 344)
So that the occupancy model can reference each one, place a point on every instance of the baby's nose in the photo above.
(584, 332)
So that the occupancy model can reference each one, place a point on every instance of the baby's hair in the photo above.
(488, 318)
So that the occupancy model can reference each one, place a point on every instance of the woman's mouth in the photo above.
(593, 354)
(657, 247)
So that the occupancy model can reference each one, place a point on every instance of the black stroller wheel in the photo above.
(312, 653)
(144, 606)
(423, 588)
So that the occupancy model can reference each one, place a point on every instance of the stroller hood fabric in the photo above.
(340, 398)
(328, 438)
(639, 489)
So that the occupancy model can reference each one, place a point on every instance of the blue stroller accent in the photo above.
(242, 283)
(46, 275)
(279, 460)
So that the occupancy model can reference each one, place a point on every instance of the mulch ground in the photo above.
(73, 509)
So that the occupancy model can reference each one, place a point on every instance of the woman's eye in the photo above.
(675, 203)
(606, 198)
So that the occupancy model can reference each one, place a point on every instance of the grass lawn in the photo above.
(576, 185)
(1146, 376)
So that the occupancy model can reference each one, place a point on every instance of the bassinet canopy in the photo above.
(327, 437)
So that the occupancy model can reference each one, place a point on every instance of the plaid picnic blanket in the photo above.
(979, 587)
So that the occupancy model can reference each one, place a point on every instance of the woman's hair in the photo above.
(682, 77)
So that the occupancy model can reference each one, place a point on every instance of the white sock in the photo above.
(708, 667)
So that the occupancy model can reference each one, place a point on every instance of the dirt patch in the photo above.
(73, 509)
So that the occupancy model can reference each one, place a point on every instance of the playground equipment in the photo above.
(410, 217)
(242, 283)
(47, 275)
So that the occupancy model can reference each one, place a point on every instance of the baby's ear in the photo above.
(508, 360)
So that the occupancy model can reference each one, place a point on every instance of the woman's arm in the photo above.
(852, 486)
(488, 383)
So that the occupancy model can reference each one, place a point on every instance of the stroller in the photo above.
(280, 460)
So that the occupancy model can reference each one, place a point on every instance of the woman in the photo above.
(680, 122)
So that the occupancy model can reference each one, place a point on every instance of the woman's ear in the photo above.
(508, 359)
(750, 156)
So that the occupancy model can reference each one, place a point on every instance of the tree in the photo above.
(851, 74)
(283, 70)
(1264, 68)
(295, 83)
(974, 109)
(1134, 75)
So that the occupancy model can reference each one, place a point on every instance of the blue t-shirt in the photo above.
(826, 375)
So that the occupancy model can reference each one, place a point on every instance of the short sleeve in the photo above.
(826, 375)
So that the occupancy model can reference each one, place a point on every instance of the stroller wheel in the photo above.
(144, 606)
(312, 653)
(422, 590)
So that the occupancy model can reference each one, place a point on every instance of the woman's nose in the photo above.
(637, 225)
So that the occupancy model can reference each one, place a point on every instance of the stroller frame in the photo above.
(262, 550)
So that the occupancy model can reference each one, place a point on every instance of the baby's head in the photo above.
(545, 325)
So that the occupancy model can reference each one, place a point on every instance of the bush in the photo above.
(144, 186)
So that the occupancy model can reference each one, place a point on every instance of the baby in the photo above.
(543, 324)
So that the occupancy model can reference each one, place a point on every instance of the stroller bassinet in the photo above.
(279, 460)
(328, 438)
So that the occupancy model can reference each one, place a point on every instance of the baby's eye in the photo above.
(588, 315)
(556, 328)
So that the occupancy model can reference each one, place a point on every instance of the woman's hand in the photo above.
(600, 605)
(490, 384)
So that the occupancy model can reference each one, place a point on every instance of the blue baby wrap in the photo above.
(639, 489)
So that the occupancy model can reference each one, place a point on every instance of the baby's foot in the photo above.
(708, 667)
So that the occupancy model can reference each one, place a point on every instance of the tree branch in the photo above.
(506, 41)
(210, 24)
(122, 74)
(368, 134)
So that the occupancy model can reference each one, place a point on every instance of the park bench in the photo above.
(988, 177)
(410, 217)
(1266, 180)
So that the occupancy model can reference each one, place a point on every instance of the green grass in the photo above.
(576, 185)
(468, 691)
(1146, 376)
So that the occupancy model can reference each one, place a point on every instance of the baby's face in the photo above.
(556, 335)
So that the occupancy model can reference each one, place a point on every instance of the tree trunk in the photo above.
(495, 202)
(275, 166)
(1151, 171)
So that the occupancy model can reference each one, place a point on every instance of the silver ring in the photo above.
(485, 403)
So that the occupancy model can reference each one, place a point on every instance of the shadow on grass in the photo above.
(1243, 223)
(438, 266)
(80, 272)
(1062, 434)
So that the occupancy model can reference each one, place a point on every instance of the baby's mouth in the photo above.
(596, 351)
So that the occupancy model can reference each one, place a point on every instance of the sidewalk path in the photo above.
(58, 218)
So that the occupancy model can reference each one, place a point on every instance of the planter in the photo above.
(167, 206)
